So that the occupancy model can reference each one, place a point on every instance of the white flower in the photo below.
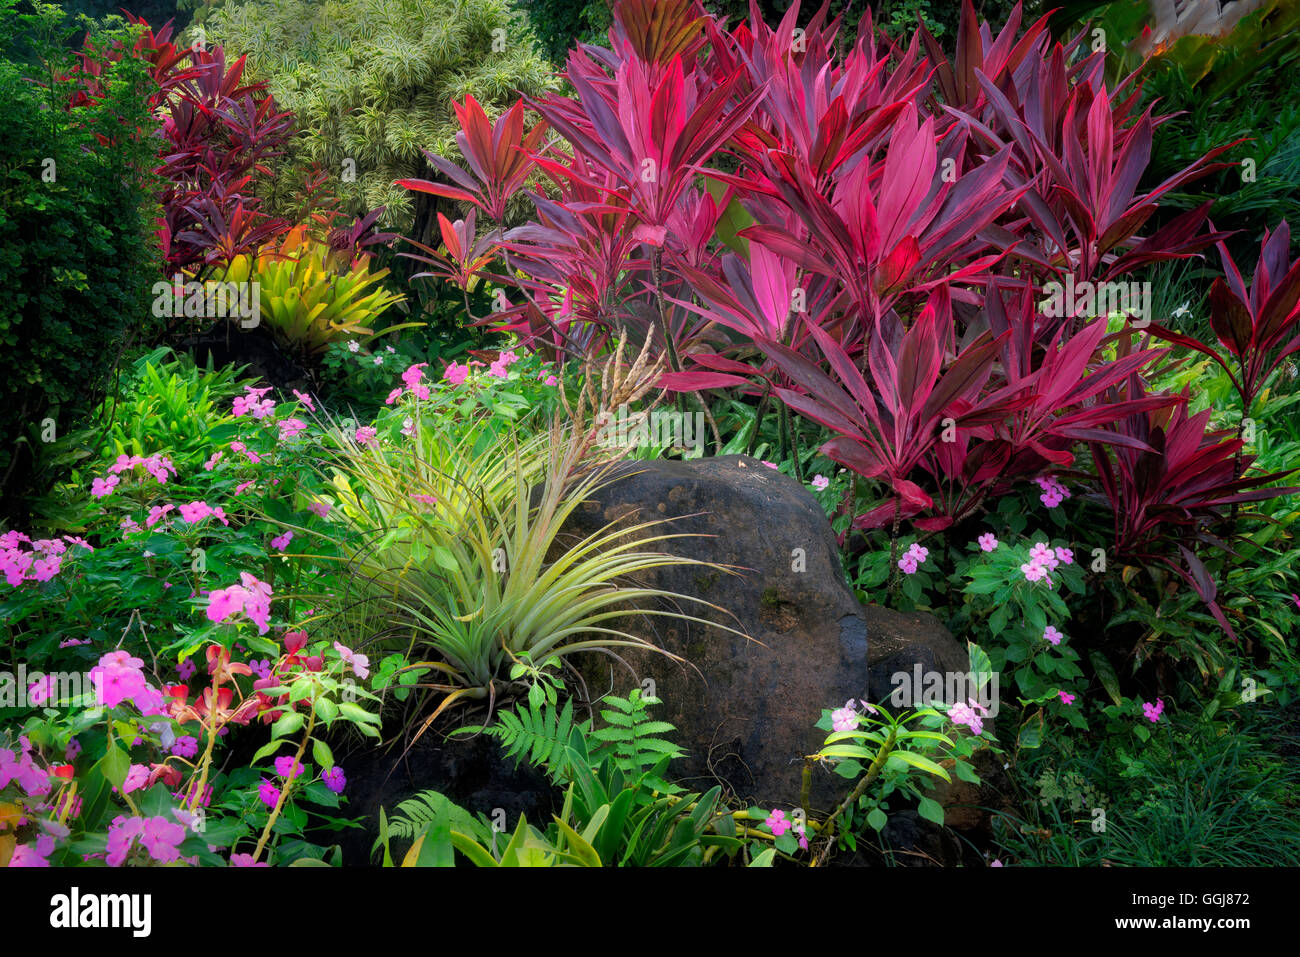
(354, 346)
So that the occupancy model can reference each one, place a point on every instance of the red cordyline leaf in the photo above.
(467, 256)
(1257, 327)
(1171, 493)
(499, 156)
(889, 424)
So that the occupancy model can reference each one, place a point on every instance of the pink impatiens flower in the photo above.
(292, 428)
(366, 436)
(281, 542)
(195, 511)
(288, 766)
(966, 714)
(125, 462)
(252, 597)
(161, 838)
(1052, 636)
(156, 513)
(1053, 491)
(334, 779)
(1066, 697)
(988, 542)
(103, 486)
(305, 399)
(211, 463)
(159, 466)
(456, 373)
(319, 508)
(1043, 554)
(1033, 571)
(1152, 712)
(778, 822)
(820, 482)
(360, 663)
(33, 855)
(253, 402)
(844, 719)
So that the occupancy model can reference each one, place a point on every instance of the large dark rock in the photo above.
(746, 715)
(745, 705)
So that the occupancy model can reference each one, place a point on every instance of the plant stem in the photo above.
(873, 772)
(284, 791)
(758, 421)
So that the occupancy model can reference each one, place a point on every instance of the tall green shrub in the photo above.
(77, 252)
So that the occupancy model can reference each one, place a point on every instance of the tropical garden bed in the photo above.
(751, 439)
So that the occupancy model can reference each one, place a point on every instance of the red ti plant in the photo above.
(1064, 391)
(1255, 326)
(499, 156)
(219, 134)
(889, 424)
(1168, 486)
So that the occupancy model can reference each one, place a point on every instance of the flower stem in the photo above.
(284, 791)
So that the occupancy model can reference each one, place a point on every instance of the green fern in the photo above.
(418, 813)
(539, 735)
(632, 739)
(543, 735)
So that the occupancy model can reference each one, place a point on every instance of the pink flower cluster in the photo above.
(1152, 712)
(779, 824)
(366, 435)
(252, 401)
(334, 779)
(41, 563)
(159, 836)
(916, 556)
(455, 373)
(157, 465)
(1043, 559)
(502, 362)
(971, 714)
(118, 677)
(33, 855)
(20, 766)
(844, 719)
(252, 597)
(1054, 493)
(197, 511)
